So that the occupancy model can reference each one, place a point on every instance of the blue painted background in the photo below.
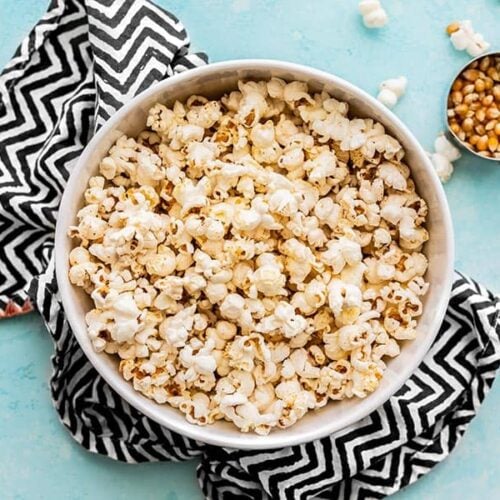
(38, 459)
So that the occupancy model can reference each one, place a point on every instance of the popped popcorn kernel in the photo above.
(374, 15)
(445, 153)
(391, 90)
(463, 37)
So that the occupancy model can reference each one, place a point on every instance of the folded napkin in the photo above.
(79, 64)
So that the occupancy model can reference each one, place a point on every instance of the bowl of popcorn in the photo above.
(473, 106)
(254, 253)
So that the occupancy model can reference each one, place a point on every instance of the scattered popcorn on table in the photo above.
(251, 258)
(463, 37)
(374, 15)
(391, 90)
(443, 157)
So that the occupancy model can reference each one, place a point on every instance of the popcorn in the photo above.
(108, 167)
(268, 280)
(374, 16)
(262, 135)
(247, 220)
(246, 187)
(80, 273)
(283, 202)
(202, 362)
(393, 176)
(328, 212)
(190, 195)
(232, 306)
(322, 167)
(214, 229)
(315, 293)
(284, 319)
(252, 258)
(301, 365)
(225, 330)
(443, 157)
(296, 91)
(276, 88)
(381, 237)
(343, 296)
(91, 227)
(125, 313)
(216, 292)
(340, 253)
(162, 263)
(193, 282)
(463, 37)
(175, 329)
(391, 90)
(252, 105)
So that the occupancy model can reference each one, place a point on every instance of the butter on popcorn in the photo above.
(254, 257)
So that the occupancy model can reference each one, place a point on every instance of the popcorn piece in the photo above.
(327, 211)
(374, 16)
(262, 136)
(463, 37)
(172, 286)
(322, 167)
(225, 330)
(190, 195)
(391, 90)
(285, 320)
(193, 282)
(268, 280)
(296, 91)
(276, 88)
(91, 227)
(175, 329)
(443, 157)
(247, 220)
(216, 292)
(232, 306)
(163, 263)
(125, 313)
(343, 295)
(283, 202)
(315, 293)
(202, 362)
(393, 176)
(341, 253)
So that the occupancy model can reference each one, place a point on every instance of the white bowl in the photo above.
(212, 81)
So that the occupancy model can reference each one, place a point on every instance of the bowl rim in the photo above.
(206, 434)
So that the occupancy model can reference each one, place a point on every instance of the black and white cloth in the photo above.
(79, 64)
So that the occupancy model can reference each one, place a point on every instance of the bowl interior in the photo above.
(213, 81)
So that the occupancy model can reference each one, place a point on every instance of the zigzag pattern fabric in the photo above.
(388, 450)
(81, 62)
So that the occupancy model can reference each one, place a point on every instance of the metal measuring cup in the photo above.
(450, 133)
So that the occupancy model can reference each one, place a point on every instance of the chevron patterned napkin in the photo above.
(79, 64)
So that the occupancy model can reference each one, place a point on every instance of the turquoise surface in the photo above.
(38, 459)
